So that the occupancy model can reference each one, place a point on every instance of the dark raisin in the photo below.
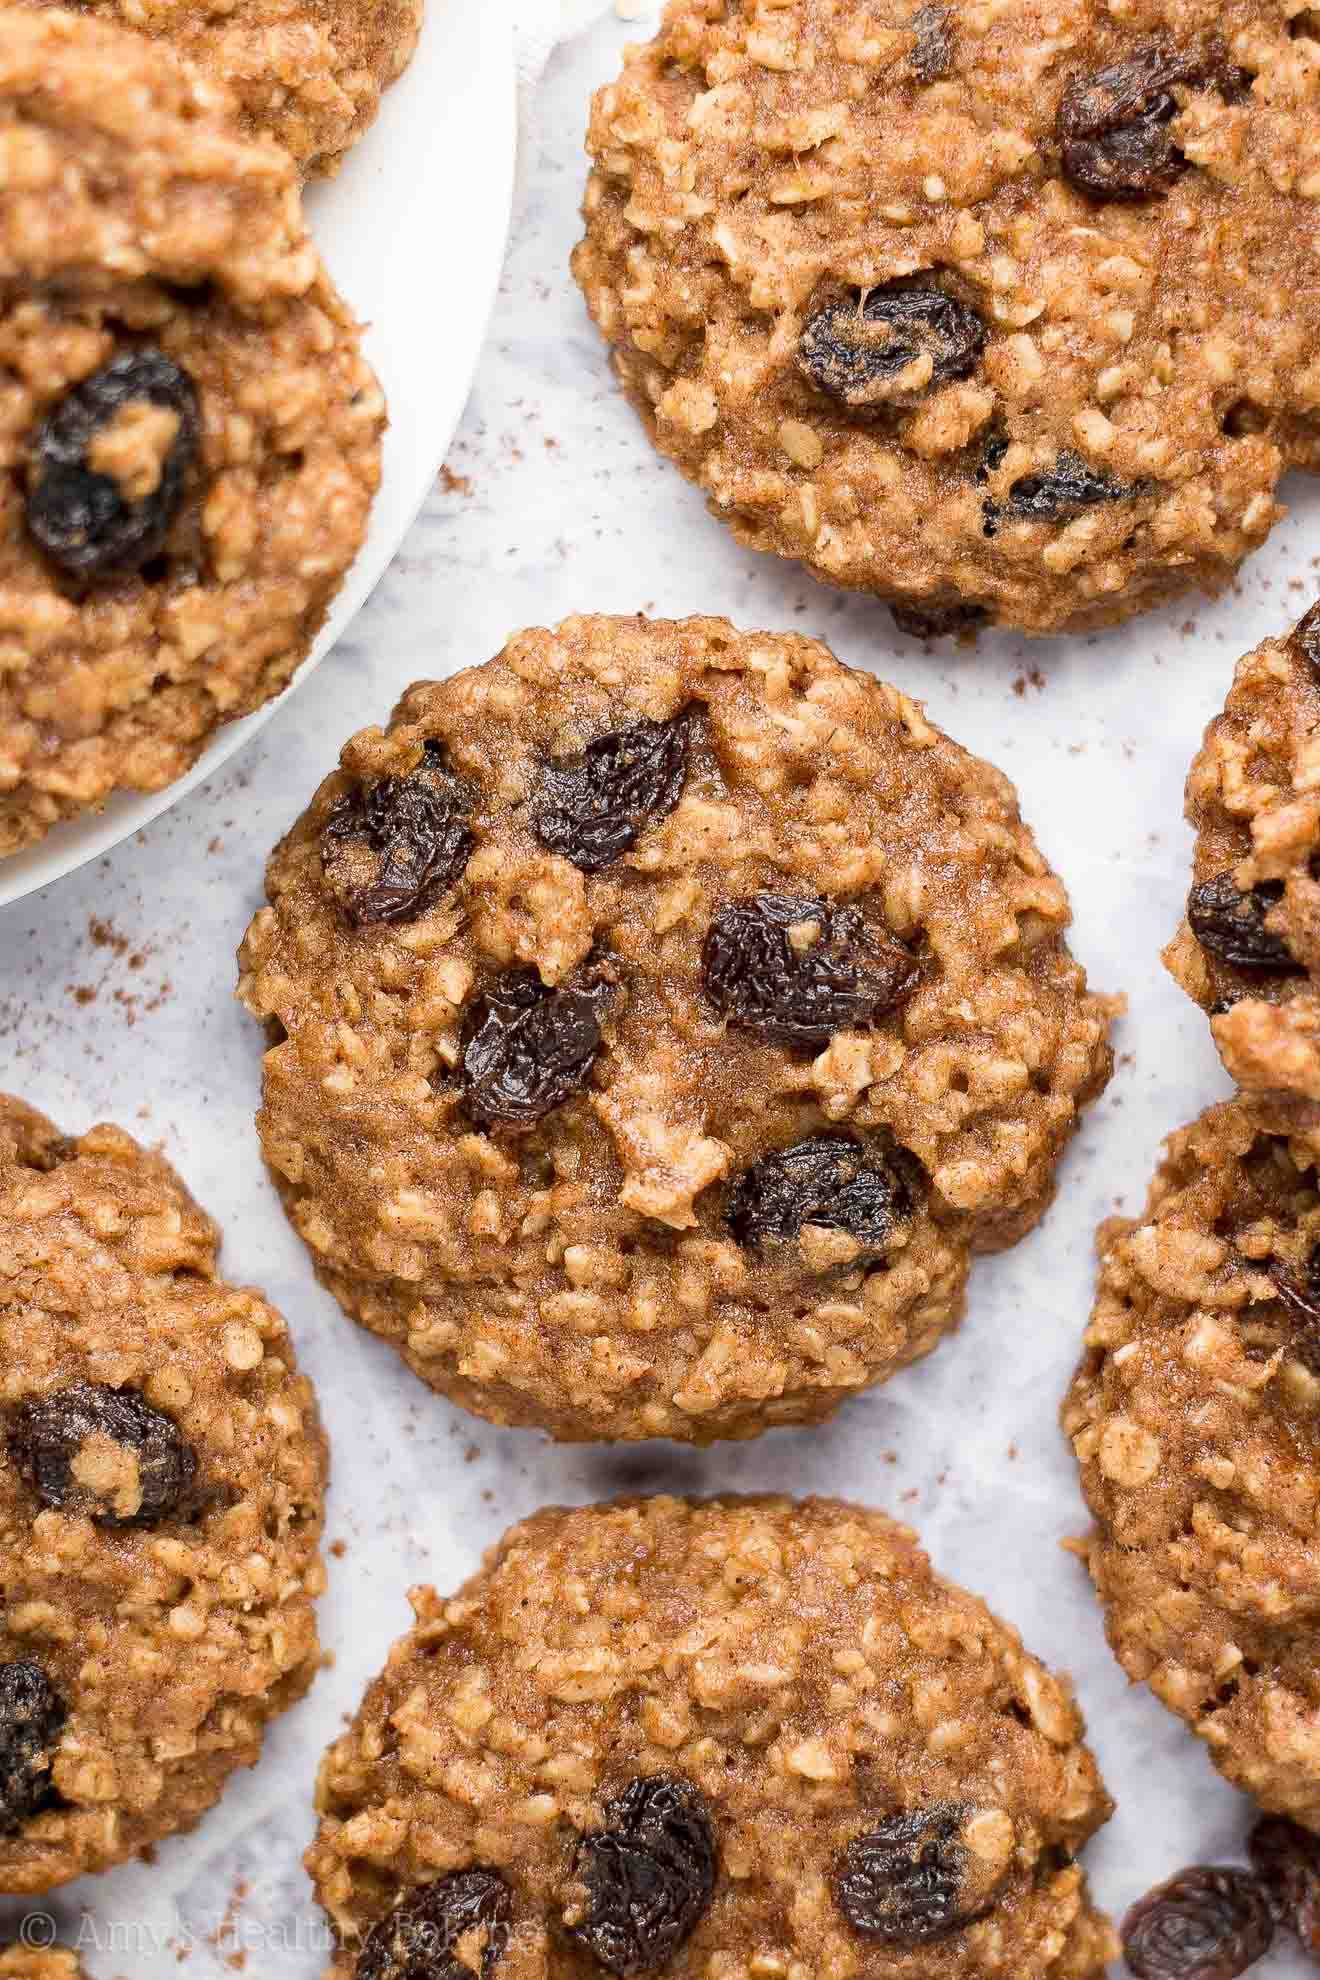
(996, 449)
(1306, 637)
(1300, 1292)
(922, 618)
(88, 522)
(1204, 1924)
(47, 1435)
(592, 807)
(527, 1049)
(1286, 1858)
(828, 1180)
(1055, 495)
(32, 1716)
(647, 1876)
(903, 1881)
(795, 969)
(854, 347)
(454, 1929)
(1231, 923)
(1113, 126)
(932, 53)
(391, 851)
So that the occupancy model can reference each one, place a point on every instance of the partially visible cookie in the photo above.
(21, 1962)
(307, 73)
(1249, 948)
(189, 434)
(162, 1468)
(659, 1017)
(1006, 313)
(681, 1739)
(1195, 1417)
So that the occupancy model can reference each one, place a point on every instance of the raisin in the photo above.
(828, 1180)
(932, 53)
(1286, 1858)
(1204, 1924)
(423, 1937)
(86, 521)
(592, 807)
(648, 1875)
(47, 1435)
(1302, 1295)
(996, 448)
(855, 347)
(1230, 923)
(922, 618)
(1113, 126)
(416, 828)
(32, 1716)
(903, 1881)
(765, 970)
(1056, 495)
(1306, 638)
(527, 1049)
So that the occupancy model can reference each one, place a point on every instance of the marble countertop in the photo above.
(116, 1002)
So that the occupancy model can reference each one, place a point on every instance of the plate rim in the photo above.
(76, 842)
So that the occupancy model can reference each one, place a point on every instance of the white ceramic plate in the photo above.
(413, 234)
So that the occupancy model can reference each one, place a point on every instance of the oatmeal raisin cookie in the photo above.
(189, 435)
(307, 73)
(1194, 1418)
(1008, 313)
(1249, 948)
(659, 1017)
(746, 1735)
(161, 1476)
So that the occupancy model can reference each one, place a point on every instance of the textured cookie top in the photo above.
(189, 436)
(121, 165)
(310, 77)
(818, 1707)
(39, 1963)
(663, 1013)
(1194, 1417)
(1004, 310)
(161, 1476)
(1249, 950)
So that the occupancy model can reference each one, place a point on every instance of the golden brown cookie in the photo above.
(1249, 948)
(161, 1476)
(21, 1962)
(307, 73)
(802, 1750)
(189, 435)
(1005, 313)
(660, 1016)
(1194, 1417)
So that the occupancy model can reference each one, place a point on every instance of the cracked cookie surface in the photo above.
(157, 1614)
(309, 75)
(1193, 1417)
(690, 1126)
(189, 434)
(864, 1770)
(1248, 951)
(1005, 313)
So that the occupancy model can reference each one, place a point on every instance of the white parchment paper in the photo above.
(116, 1002)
